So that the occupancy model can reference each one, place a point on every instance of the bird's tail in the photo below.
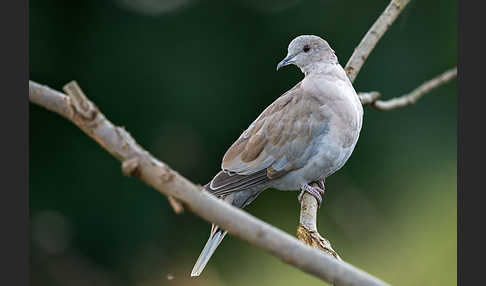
(215, 238)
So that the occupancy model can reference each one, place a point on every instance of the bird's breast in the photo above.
(340, 107)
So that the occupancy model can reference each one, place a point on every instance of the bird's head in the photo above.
(307, 50)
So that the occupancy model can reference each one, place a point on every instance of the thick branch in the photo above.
(369, 41)
(139, 163)
(409, 98)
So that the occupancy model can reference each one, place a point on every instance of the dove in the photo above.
(303, 137)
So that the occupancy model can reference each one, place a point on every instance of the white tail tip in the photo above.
(208, 250)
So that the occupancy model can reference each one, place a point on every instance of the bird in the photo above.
(303, 137)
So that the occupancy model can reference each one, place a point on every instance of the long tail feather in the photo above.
(214, 240)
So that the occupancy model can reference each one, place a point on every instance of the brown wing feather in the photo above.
(247, 150)
(277, 142)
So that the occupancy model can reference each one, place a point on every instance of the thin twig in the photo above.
(139, 163)
(368, 97)
(371, 98)
(374, 34)
(176, 205)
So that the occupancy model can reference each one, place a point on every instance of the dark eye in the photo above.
(306, 48)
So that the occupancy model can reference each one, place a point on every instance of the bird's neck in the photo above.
(321, 71)
(318, 67)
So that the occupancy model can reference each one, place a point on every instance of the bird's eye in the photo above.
(306, 48)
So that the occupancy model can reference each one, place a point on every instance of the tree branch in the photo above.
(409, 98)
(374, 34)
(307, 229)
(139, 163)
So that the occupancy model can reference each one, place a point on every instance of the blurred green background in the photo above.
(185, 78)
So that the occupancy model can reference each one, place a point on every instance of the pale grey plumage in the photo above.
(304, 136)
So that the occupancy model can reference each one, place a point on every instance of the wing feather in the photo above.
(224, 183)
(278, 141)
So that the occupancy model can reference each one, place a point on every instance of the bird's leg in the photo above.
(316, 192)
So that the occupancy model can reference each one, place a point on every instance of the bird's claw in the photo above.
(316, 192)
(321, 185)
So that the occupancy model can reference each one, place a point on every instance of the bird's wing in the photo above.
(280, 140)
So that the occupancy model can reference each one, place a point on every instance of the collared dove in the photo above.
(303, 137)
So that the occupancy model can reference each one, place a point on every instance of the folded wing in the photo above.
(280, 140)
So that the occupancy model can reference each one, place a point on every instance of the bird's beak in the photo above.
(286, 61)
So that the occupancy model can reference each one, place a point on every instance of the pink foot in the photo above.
(316, 192)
